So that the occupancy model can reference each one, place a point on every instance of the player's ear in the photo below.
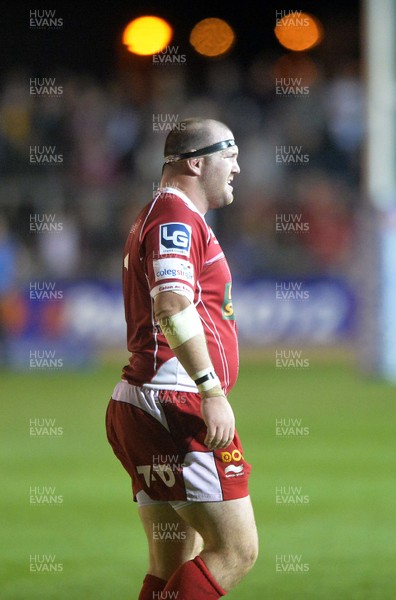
(194, 165)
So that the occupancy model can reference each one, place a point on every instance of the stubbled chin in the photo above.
(225, 200)
(229, 200)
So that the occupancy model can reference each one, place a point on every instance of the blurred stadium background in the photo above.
(82, 126)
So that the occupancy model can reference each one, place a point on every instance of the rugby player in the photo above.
(169, 421)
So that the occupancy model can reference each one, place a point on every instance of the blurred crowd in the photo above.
(299, 133)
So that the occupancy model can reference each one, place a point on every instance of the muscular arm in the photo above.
(194, 356)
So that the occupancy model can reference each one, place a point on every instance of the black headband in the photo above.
(201, 152)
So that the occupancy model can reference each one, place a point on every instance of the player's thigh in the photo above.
(226, 526)
(171, 540)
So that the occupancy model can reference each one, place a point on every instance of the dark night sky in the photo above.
(87, 42)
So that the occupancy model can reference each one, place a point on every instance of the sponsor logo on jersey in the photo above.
(233, 471)
(175, 238)
(173, 268)
(172, 286)
(227, 309)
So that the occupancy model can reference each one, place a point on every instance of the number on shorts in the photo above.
(164, 472)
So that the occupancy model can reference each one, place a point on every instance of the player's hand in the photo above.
(220, 421)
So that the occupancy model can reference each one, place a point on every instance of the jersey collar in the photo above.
(182, 195)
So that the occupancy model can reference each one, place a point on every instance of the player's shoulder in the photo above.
(172, 199)
(170, 205)
(175, 224)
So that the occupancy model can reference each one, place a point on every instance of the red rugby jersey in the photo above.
(171, 248)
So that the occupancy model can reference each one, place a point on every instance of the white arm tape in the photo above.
(182, 326)
(206, 379)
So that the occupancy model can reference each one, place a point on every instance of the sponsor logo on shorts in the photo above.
(175, 238)
(233, 471)
(235, 455)
(173, 268)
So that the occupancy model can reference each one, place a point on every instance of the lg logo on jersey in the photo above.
(175, 238)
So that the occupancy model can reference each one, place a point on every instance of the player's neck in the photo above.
(191, 190)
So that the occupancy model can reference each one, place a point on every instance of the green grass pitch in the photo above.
(341, 460)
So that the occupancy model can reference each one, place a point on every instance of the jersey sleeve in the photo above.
(174, 248)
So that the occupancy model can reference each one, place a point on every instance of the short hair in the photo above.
(191, 134)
